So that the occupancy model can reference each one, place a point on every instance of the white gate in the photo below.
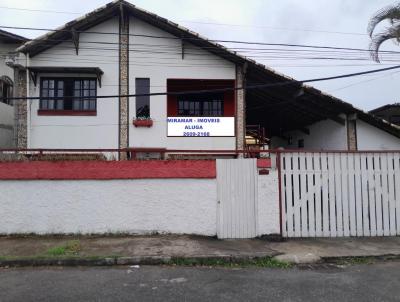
(340, 194)
(237, 196)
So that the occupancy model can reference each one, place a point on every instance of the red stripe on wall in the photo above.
(97, 170)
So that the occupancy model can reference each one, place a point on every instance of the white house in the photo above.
(120, 50)
(8, 44)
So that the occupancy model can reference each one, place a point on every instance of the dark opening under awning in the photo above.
(295, 107)
(34, 71)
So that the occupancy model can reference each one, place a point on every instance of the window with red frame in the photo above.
(208, 104)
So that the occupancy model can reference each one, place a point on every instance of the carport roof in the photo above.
(297, 106)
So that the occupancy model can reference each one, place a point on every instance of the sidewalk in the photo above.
(81, 250)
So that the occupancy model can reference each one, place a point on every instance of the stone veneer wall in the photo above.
(20, 110)
(352, 134)
(124, 84)
(240, 109)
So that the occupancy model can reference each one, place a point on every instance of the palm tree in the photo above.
(392, 14)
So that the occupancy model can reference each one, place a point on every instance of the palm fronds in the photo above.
(392, 14)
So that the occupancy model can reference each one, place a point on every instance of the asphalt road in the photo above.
(377, 282)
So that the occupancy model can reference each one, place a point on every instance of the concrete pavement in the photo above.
(314, 250)
(160, 246)
(375, 282)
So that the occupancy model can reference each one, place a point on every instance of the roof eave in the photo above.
(11, 37)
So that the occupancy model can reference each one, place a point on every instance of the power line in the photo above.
(365, 81)
(167, 62)
(338, 56)
(271, 56)
(262, 54)
(258, 86)
(204, 23)
(40, 10)
(201, 39)
(169, 47)
(267, 53)
(237, 49)
(276, 28)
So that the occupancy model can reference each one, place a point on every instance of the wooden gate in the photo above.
(340, 194)
(237, 196)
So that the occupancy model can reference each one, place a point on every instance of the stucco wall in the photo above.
(268, 204)
(6, 112)
(99, 131)
(159, 60)
(324, 135)
(132, 206)
(372, 138)
(41, 201)
(4, 69)
(6, 126)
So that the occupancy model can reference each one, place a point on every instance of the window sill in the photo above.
(68, 112)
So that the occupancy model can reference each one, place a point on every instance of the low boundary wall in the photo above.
(135, 197)
(134, 206)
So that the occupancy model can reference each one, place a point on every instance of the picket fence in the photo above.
(342, 194)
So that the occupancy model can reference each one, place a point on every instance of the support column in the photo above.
(352, 132)
(123, 82)
(20, 109)
(240, 108)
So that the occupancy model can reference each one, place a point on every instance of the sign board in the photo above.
(201, 126)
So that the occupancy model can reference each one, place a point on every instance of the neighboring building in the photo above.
(390, 113)
(120, 49)
(8, 44)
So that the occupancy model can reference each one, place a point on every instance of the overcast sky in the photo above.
(285, 21)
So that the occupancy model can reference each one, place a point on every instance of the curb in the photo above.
(312, 259)
(114, 261)
(165, 260)
(109, 261)
(385, 257)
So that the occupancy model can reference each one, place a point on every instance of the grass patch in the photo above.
(56, 251)
(355, 260)
(264, 262)
(72, 247)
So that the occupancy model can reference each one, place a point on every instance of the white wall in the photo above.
(99, 131)
(4, 69)
(132, 206)
(162, 66)
(324, 135)
(6, 126)
(372, 138)
(268, 204)
(180, 206)
(6, 111)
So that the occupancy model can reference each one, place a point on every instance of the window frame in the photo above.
(201, 106)
(72, 111)
(137, 98)
(8, 89)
